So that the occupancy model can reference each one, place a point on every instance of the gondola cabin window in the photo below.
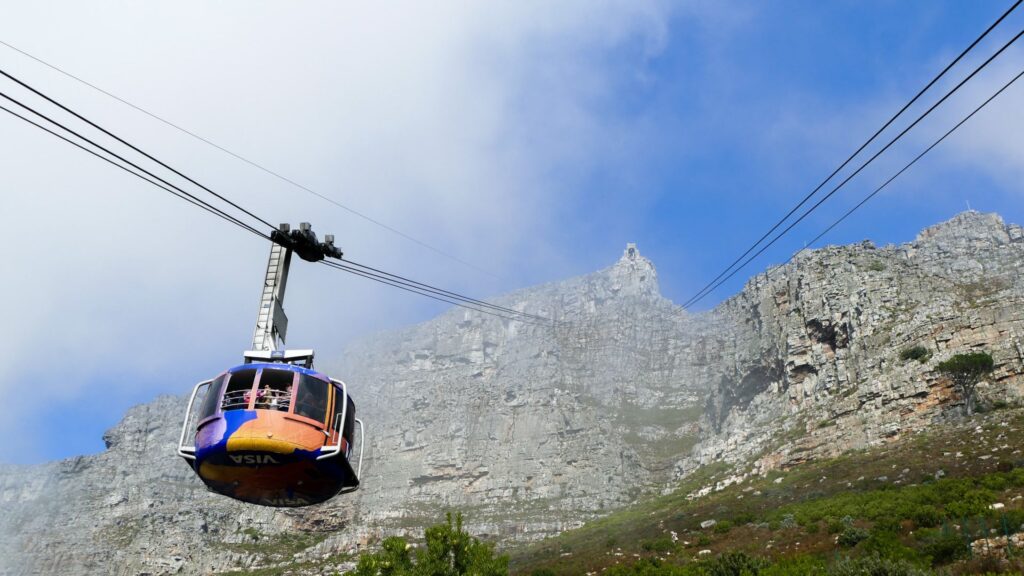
(311, 398)
(212, 399)
(275, 389)
(239, 390)
(337, 426)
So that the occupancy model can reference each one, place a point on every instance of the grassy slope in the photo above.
(791, 512)
(786, 514)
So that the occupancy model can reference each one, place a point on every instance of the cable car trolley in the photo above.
(274, 431)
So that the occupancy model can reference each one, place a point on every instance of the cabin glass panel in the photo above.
(212, 399)
(276, 387)
(339, 404)
(311, 398)
(239, 390)
(350, 422)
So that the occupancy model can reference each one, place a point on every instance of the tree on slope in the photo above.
(448, 550)
(966, 370)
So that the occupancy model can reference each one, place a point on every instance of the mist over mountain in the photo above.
(531, 429)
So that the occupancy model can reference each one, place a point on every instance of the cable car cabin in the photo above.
(275, 434)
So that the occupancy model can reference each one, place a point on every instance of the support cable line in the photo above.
(422, 292)
(132, 146)
(710, 286)
(821, 201)
(188, 198)
(181, 193)
(905, 168)
(255, 164)
(442, 292)
(359, 269)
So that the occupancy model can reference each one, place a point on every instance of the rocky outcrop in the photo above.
(532, 428)
(824, 335)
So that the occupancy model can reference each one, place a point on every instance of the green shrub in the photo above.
(703, 540)
(889, 524)
(995, 482)
(723, 527)
(543, 572)
(919, 353)
(972, 503)
(851, 536)
(886, 544)
(874, 565)
(664, 544)
(448, 551)
(643, 567)
(944, 547)
(927, 516)
(1011, 520)
(734, 564)
(743, 518)
(797, 566)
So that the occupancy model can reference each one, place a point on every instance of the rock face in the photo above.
(531, 429)
(818, 343)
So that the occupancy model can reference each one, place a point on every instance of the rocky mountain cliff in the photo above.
(531, 429)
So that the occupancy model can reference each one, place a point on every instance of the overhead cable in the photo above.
(191, 200)
(422, 292)
(168, 186)
(255, 164)
(352, 267)
(711, 285)
(446, 293)
(904, 169)
(806, 213)
(132, 146)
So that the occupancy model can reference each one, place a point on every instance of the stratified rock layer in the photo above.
(533, 428)
(817, 362)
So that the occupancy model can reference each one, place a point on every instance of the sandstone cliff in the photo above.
(531, 429)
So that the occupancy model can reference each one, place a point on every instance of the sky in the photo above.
(532, 140)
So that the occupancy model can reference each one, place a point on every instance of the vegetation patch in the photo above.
(911, 507)
(919, 353)
(274, 548)
(966, 371)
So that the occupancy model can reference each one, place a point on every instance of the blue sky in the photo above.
(530, 139)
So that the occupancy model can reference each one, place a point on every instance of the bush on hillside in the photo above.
(851, 536)
(927, 516)
(734, 564)
(919, 353)
(944, 547)
(875, 566)
(723, 527)
(888, 545)
(448, 551)
(660, 545)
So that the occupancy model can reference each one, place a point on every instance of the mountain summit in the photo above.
(530, 429)
(633, 274)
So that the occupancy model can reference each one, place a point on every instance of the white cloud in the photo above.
(990, 141)
(463, 124)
